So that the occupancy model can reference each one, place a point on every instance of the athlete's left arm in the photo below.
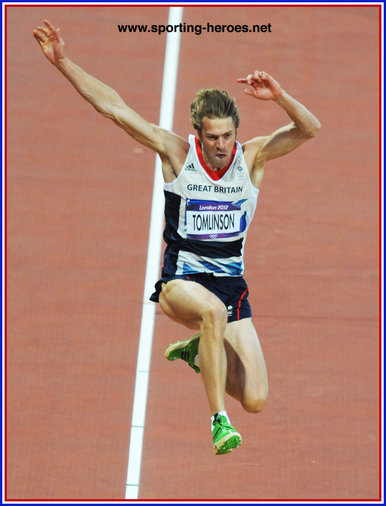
(304, 124)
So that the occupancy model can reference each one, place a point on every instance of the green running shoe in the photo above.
(185, 350)
(225, 437)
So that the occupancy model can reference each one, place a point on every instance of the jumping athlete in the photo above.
(211, 188)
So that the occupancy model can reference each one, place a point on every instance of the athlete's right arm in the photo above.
(103, 98)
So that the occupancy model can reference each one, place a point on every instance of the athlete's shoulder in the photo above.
(253, 152)
(173, 141)
(255, 144)
(174, 156)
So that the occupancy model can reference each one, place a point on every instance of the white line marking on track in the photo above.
(152, 265)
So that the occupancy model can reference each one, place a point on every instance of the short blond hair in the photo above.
(213, 103)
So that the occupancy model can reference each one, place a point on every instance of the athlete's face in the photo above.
(218, 136)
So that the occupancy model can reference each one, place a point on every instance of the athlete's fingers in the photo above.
(39, 36)
(58, 36)
(249, 92)
(46, 31)
(50, 26)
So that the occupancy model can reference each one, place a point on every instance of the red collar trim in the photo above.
(216, 175)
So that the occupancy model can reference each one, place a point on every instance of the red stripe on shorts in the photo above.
(239, 304)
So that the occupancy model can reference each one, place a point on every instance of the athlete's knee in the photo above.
(215, 313)
(255, 402)
(164, 299)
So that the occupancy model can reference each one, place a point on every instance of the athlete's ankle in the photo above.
(220, 413)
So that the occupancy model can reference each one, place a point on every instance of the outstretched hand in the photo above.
(50, 41)
(263, 86)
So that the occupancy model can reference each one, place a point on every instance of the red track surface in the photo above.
(79, 193)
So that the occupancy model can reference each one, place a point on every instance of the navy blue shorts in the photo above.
(232, 291)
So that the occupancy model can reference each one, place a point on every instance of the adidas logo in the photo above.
(191, 168)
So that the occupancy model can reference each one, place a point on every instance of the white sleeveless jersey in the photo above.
(207, 219)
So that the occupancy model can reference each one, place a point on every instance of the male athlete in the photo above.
(211, 187)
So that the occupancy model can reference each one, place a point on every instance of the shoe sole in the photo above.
(178, 345)
(227, 443)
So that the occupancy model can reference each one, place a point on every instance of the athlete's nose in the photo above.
(220, 143)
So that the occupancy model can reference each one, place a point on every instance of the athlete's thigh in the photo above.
(187, 302)
(246, 364)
